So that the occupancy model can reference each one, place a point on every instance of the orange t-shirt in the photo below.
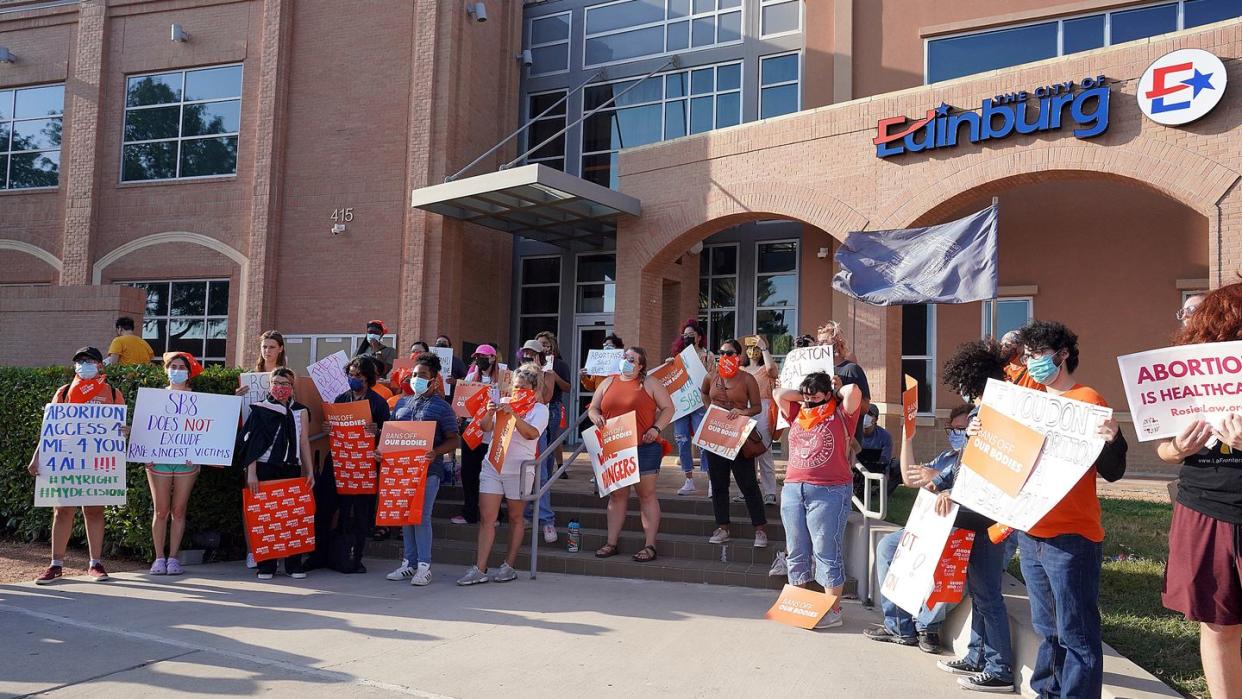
(1017, 375)
(1079, 511)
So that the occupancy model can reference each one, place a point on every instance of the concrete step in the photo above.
(671, 504)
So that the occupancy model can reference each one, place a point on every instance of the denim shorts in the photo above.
(649, 458)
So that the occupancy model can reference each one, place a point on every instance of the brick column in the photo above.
(83, 92)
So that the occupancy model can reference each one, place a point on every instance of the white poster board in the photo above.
(1070, 448)
(446, 367)
(912, 574)
(329, 375)
(81, 455)
(1170, 388)
(257, 384)
(614, 453)
(604, 362)
(173, 427)
(797, 365)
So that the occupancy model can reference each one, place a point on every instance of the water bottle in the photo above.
(575, 536)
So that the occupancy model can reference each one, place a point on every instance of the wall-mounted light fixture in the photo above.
(178, 34)
(477, 11)
(6, 56)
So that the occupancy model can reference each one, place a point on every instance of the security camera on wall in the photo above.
(526, 57)
(477, 11)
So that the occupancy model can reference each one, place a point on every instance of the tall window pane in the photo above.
(539, 298)
(31, 123)
(1130, 25)
(187, 316)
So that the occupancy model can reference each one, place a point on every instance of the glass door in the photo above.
(586, 338)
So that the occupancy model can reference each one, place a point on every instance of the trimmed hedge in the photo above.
(215, 504)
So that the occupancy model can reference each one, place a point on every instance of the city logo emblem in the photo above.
(1181, 86)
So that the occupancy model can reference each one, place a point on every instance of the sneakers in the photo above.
(402, 572)
(474, 576)
(51, 575)
(97, 573)
(883, 635)
(780, 566)
(250, 562)
(720, 536)
(769, 499)
(458, 519)
(761, 539)
(986, 682)
(505, 573)
(549, 533)
(960, 666)
(929, 642)
(265, 576)
(834, 617)
(174, 567)
(159, 567)
(738, 498)
(422, 576)
(688, 488)
(298, 575)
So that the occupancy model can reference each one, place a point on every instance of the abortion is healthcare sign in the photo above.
(1172, 387)
(1181, 86)
(81, 455)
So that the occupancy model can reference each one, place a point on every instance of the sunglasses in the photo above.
(728, 353)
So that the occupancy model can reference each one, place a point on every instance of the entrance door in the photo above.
(587, 337)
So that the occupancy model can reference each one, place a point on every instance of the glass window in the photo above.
(1082, 34)
(975, 53)
(918, 350)
(31, 121)
(779, 91)
(187, 316)
(542, 129)
(625, 46)
(1129, 25)
(718, 291)
(1200, 12)
(549, 43)
(629, 29)
(539, 297)
(1011, 314)
(620, 15)
(597, 288)
(780, 17)
(776, 294)
(182, 124)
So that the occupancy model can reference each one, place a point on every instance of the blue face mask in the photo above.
(957, 440)
(627, 367)
(178, 376)
(1043, 369)
(356, 384)
(420, 385)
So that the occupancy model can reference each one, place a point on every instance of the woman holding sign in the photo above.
(271, 355)
(633, 391)
(736, 391)
(815, 501)
(759, 364)
(171, 483)
(692, 335)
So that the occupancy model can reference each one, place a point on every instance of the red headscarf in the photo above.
(190, 362)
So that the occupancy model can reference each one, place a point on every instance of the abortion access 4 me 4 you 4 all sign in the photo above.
(173, 427)
(81, 455)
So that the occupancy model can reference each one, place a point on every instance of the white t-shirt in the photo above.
(520, 448)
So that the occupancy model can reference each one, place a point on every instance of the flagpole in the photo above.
(996, 293)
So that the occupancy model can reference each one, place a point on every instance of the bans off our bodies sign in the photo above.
(721, 434)
(614, 453)
(1169, 388)
(81, 455)
(682, 377)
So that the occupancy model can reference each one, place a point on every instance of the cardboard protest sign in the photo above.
(329, 376)
(722, 435)
(798, 364)
(614, 453)
(1070, 448)
(173, 427)
(1004, 451)
(502, 435)
(800, 607)
(602, 362)
(912, 574)
(910, 404)
(466, 391)
(682, 377)
(949, 582)
(1170, 388)
(81, 455)
(352, 463)
(406, 448)
(280, 520)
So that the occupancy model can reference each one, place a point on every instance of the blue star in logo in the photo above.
(943, 109)
(1200, 82)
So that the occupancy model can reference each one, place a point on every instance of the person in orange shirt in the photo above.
(1061, 554)
(1015, 370)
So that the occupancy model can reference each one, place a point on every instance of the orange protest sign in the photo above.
(502, 434)
(465, 391)
(950, 576)
(671, 375)
(910, 404)
(720, 434)
(351, 447)
(1004, 451)
(407, 435)
(406, 363)
(402, 487)
(476, 406)
(800, 607)
(614, 452)
(280, 520)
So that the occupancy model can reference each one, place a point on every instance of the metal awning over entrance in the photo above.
(533, 201)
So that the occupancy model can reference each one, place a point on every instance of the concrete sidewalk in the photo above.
(217, 630)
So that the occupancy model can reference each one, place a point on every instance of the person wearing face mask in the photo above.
(758, 363)
(89, 385)
(736, 391)
(847, 370)
(590, 383)
(633, 391)
(373, 346)
(877, 449)
(171, 483)
(815, 501)
(511, 480)
(1015, 369)
(483, 369)
(1062, 552)
(533, 353)
(426, 405)
(692, 335)
(458, 370)
(559, 376)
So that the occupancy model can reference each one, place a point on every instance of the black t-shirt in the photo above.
(852, 374)
(561, 368)
(1211, 483)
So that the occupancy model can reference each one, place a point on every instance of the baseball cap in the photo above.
(89, 353)
(534, 346)
(485, 350)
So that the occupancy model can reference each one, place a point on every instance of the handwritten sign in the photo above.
(912, 574)
(1004, 451)
(173, 427)
(280, 520)
(721, 434)
(352, 463)
(329, 376)
(1070, 448)
(910, 404)
(799, 364)
(1170, 388)
(682, 377)
(81, 455)
(257, 384)
(446, 367)
(800, 607)
(406, 448)
(614, 453)
(602, 362)
(949, 582)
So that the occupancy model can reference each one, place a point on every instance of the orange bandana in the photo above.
(809, 418)
(522, 400)
(85, 391)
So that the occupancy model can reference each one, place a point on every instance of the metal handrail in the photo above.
(542, 488)
(864, 508)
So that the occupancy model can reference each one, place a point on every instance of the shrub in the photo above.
(215, 504)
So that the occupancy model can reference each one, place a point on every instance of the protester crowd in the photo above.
(832, 425)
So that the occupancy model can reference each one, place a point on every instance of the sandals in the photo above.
(606, 551)
(646, 554)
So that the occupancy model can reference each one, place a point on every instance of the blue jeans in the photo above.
(683, 431)
(814, 517)
(547, 463)
(1063, 580)
(896, 619)
(417, 537)
(990, 645)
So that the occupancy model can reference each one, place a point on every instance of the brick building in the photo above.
(714, 153)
